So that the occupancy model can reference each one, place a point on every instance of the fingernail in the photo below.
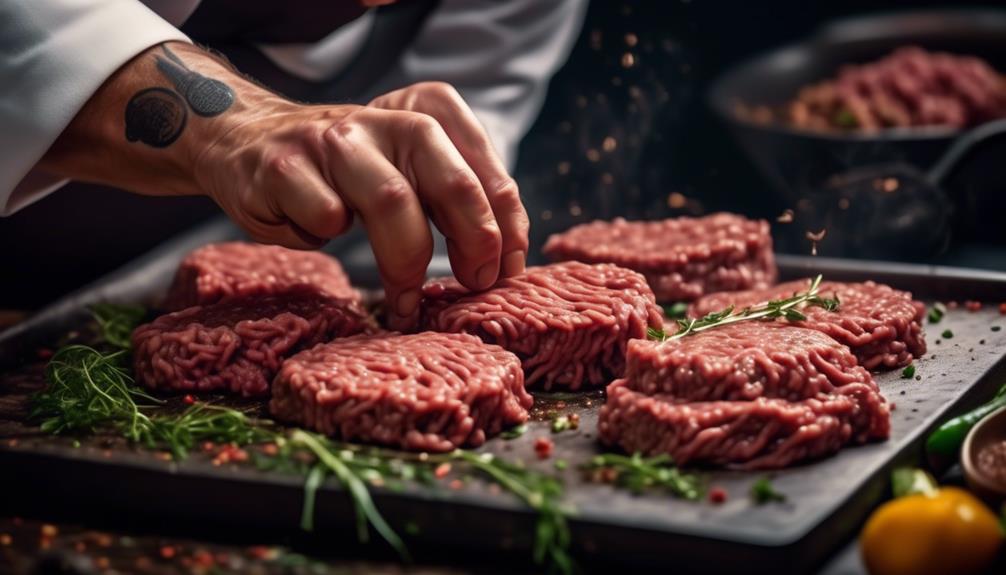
(486, 276)
(407, 302)
(513, 263)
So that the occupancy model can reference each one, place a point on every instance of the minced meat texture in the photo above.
(422, 392)
(743, 361)
(238, 343)
(569, 323)
(681, 258)
(908, 88)
(881, 325)
(759, 434)
(216, 271)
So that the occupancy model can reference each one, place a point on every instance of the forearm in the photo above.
(144, 129)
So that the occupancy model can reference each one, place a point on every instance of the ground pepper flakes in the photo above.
(717, 495)
(543, 447)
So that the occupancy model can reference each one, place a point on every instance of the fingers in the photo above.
(303, 196)
(444, 104)
(390, 210)
(453, 196)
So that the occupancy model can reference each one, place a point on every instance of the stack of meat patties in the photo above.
(755, 394)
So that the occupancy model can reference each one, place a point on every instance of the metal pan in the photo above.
(802, 165)
(827, 500)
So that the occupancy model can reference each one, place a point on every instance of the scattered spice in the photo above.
(565, 422)
(168, 552)
(717, 495)
(543, 447)
(995, 328)
(972, 305)
(456, 484)
(952, 304)
(43, 353)
(188, 399)
(762, 491)
(1002, 308)
(908, 372)
(442, 470)
(561, 464)
(637, 474)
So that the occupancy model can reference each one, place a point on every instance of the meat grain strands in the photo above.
(681, 258)
(881, 325)
(751, 395)
(238, 343)
(215, 271)
(911, 87)
(424, 392)
(569, 323)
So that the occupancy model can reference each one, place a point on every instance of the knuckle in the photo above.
(394, 194)
(330, 220)
(438, 89)
(422, 125)
(281, 164)
(463, 183)
(486, 238)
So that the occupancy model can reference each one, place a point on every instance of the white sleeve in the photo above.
(499, 55)
(54, 54)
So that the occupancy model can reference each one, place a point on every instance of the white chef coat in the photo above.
(54, 54)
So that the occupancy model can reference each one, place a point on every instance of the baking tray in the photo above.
(826, 500)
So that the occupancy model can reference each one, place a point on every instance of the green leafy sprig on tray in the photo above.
(92, 391)
(638, 474)
(117, 322)
(784, 308)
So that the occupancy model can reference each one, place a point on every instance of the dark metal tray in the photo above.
(826, 500)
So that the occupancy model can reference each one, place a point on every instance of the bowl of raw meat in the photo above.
(881, 128)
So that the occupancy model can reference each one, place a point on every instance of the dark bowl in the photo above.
(803, 165)
(990, 429)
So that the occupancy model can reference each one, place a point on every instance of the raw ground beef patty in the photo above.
(682, 258)
(215, 271)
(752, 395)
(238, 343)
(881, 325)
(425, 392)
(569, 323)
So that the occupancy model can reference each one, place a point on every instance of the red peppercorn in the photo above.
(442, 470)
(717, 495)
(1002, 308)
(43, 353)
(951, 305)
(167, 552)
(973, 305)
(189, 400)
(543, 447)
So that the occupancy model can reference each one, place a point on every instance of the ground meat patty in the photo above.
(238, 343)
(425, 392)
(569, 323)
(213, 272)
(743, 361)
(881, 325)
(759, 434)
(682, 258)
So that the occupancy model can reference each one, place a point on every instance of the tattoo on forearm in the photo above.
(157, 116)
(207, 97)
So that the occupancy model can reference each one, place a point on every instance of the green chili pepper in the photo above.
(944, 444)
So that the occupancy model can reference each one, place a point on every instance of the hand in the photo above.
(295, 175)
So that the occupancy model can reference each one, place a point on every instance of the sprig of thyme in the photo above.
(116, 322)
(783, 308)
(638, 474)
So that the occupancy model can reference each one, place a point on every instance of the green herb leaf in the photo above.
(937, 312)
(908, 372)
(844, 118)
(637, 474)
(117, 322)
(947, 334)
(655, 334)
(565, 422)
(762, 491)
(514, 432)
(315, 477)
(676, 310)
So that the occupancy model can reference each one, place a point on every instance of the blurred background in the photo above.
(627, 130)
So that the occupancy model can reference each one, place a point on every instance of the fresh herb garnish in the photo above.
(762, 492)
(947, 334)
(908, 372)
(637, 474)
(937, 312)
(844, 118)
(676, 310)
(783, 308)
(565, 422)
(117, 322)
(514, 432)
